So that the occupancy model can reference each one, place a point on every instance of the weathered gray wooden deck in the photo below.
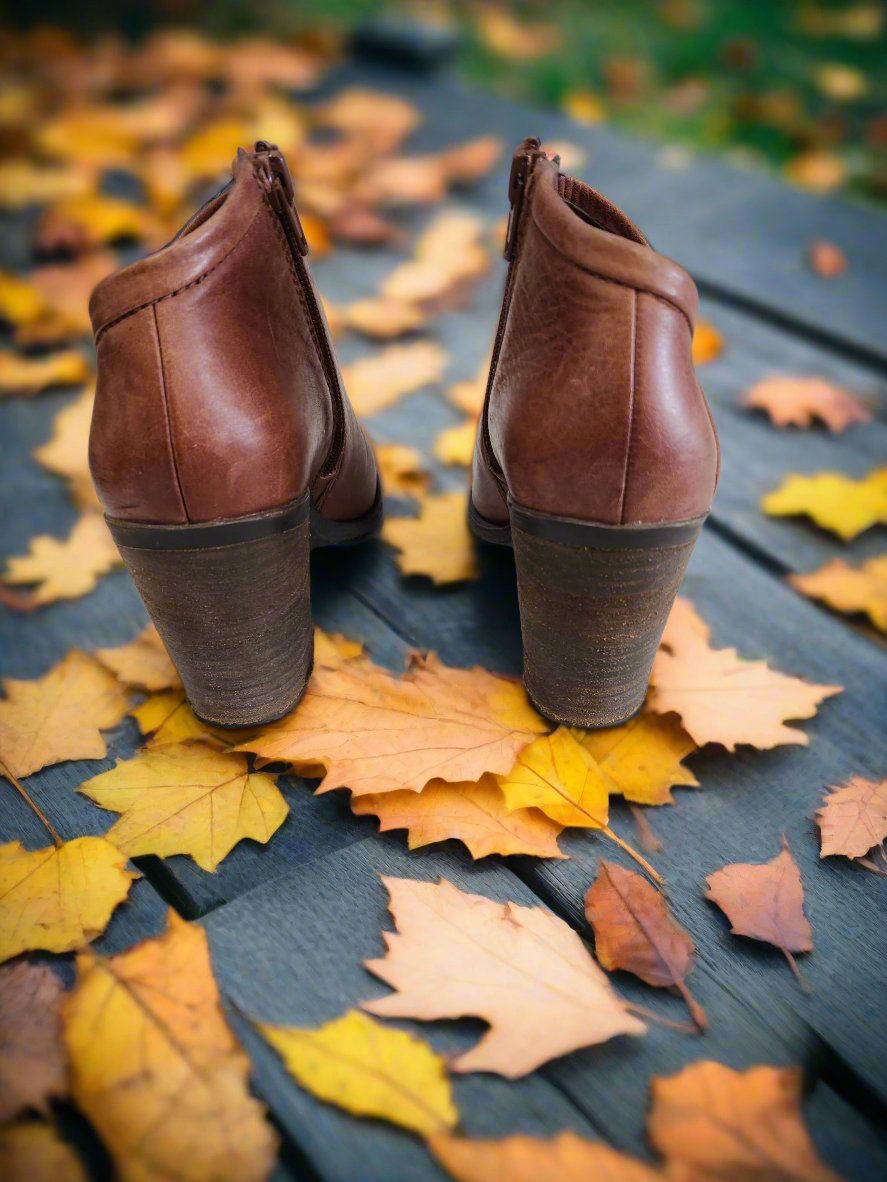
(290, 923)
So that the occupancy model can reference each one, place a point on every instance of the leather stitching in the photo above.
(167, 415)
(618, 282)
(635, 354)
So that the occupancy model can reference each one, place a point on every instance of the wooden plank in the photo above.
(742, 232)
(291, 952)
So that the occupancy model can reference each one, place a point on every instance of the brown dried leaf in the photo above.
(473, 813)
(33, 1069)
(765, 902)
(59, 716)
(853, 819)
(520, 969)
(849, 588)
(374, 732)
(565, 1158)
(437, 544)
(635, 931)
(798, 401)
(711, 1122)
(722, 698)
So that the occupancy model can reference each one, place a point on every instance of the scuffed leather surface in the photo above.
(594, 410)
(212, 401)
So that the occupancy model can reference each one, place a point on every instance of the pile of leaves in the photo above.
(438, 752)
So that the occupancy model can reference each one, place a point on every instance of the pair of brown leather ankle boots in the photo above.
(224, 447)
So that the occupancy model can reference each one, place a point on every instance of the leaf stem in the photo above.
(4, 770)
(650, 1016)
(793, 965)
(639, 858)
(697, 1013)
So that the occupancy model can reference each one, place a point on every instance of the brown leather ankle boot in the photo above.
(223, 446)
(596, 456)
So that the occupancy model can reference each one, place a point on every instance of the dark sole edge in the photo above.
(571, 531)
(234, 531)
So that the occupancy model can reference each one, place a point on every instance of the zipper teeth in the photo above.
(321, 342)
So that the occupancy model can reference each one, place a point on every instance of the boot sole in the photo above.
(231, 601)
(594, 600)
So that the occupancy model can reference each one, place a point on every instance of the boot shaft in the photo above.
(217, 392)
(593, 407)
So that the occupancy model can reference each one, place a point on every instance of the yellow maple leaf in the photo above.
(59, 716)
(722, 698)
(374, 732)
(707, 343)
(642, 757)
(20, 301)
(839, 503)
(187, 799)
(95, 135)
(142, 663)
(32, 1151)
(437, 543)
(66, 453)
(519, 1158)
(455, 445)
(469, 394)
(167, 718)
(448, 255)
(584, 106)
(156, 1069)
(30, 375)
(332, 649)
(557, 775)
(849, 588)
(208, 152)
(401, 469)
(474, 813)
(369, 1070)
(60, 897)
(377, 382)
(23, 183)
(93, 220)
(69, 568)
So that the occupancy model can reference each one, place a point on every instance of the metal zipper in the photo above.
(274, 175)
(522, 165)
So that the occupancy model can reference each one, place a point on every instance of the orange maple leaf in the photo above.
(853, 819)
(792, 401)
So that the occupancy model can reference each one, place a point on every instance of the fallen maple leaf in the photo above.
(556, 775)
(707, 343)
(722, 698)
(765, 902)
(383, 319)
(819, 170)
(59, 716)
(826, 260)
(469, 395)
(187, 799)
(473, 813)
(448, 255)
(374, 732)
(168, 719)
(635, 931)
(68, 568)
(63, 291)
(377, 382)
(143, 663)
(849, 588)
(32, 1151)
(156, 1069)
(24, 183)
(369, 1070)
(60, 897)
(383, 120)
(455, 445)
(332, 649)
(33, 1069)
(20, 301)
(798, 401)
(565, 1158)
(584, 107)
(642, 757)
(509, 37)
(401, 469)
(853, 819)
(66, 453)
(835, 502)
(81, 223)
(437, 544)
(30, 375)
(711, 1122)
(521, 969)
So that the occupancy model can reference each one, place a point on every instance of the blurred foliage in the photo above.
(800, 84)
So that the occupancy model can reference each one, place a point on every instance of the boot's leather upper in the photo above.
(218, 395)
(593, 410)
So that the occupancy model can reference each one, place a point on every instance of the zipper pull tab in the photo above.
(278, 183)
(522, 165)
